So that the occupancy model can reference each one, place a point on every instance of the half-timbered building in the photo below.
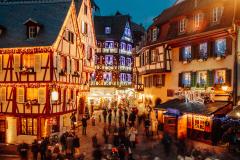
(45, 60)
(190, 53)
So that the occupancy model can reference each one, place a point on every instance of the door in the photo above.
(2, 131)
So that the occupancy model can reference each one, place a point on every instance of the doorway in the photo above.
(2, 131)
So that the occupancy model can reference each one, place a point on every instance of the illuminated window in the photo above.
(122, 61)
(202, 78)
(220, 47)
(28, 60)
(129, 47)
(123, 46)
(187, 53)
(107, 76)
(186, 79)
(198, 18)
(85, 9)
(109, 44)
(32, 94)
(203, 50)
(28, 126)
(199, 123)
(108, 60)
(182, 25)
(107, 30)
(220, 76)
(63, 63)
(128, 62)
(123, 77)
(128, 77)
(84, 27)
(217, 14)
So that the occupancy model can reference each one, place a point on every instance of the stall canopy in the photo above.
(190, 107)
(235, 113)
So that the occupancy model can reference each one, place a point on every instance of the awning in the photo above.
(196, 108)
(235, 113)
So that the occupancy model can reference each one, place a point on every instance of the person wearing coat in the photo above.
(35, 149)
(132, 136)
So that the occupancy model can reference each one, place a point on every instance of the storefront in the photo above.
(192, 120)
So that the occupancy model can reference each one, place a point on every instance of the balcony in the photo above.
(158, 67)
(121, 51)
(139, 87)
(103, 84)
(125, 68)
(109, 50)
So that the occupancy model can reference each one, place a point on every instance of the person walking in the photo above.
(35, 149)
(73, 120)
(132, 118)
(121, 152)
(23, 151)
(147, 124)
(125, 117)
(97, 153)
(76, 144)
(105, 115)
(120, 115)
(167, 142)
(84, 125)
(63, 141)
(43, 149)
(109, 118)
(115, 113)
(94, 140)
(132, 136)
(105, 134)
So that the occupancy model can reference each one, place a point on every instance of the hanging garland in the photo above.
(26, 50)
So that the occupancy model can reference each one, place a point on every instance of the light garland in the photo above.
(26, 50)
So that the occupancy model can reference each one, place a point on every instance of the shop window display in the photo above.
(220, 77)
(202, 78)
(186, 79)
(203, 51)
(220, 47)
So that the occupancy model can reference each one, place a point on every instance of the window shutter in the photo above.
(41, 95)
(17, 62)
(72, 66)
(195, 51)
(38, 62)
(228, 77)
(58, 61)
(210, 78)
(180, 84)
(210, 49)
(68, 65)
(193, 79)
(3, 93)
(1, 63)
(163, 79)
(229, 46)
(180, 54)
(20, 95)
(213, 49)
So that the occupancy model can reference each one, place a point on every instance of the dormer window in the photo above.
(154, 34)
(182, 25)
(32, 28)
(69, 36)
(217, 14)
(198, 19)
(107, 30)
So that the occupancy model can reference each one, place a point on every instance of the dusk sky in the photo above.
(142, 11)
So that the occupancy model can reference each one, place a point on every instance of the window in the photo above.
(127, 32)
(28, 61)
(32, 32)
(108, 60)
(202, 78)
(28, 126)
(220, 77)
(123, 77)
(199, 122)
(217, 14)
(182, 25)
(69, 36)
(129, 47)
(186, 79)
(154, 34)
(32, 94)
(84, 27)
(107, 30)
(187, 53)
(220, 47)
(154, 56)
(128, 62)
(122, 61)
(128, 77)
(159, 80)
(63, 63)
(198, 18)
(109, 44)
(147, 57)
(107, 76)
(203, 50)
(85, 9)
(123, 46)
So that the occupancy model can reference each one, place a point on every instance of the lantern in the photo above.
(54, 95)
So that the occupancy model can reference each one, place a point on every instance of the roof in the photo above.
(196, 108)
(117, 24)
(235, 113)
(50, 15)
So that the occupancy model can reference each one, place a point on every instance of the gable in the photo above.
(127, 33)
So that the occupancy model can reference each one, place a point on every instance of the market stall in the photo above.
(192, 120)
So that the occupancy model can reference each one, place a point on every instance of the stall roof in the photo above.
(196, 108)
(235, 113)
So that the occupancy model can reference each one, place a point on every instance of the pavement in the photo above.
(146, 149)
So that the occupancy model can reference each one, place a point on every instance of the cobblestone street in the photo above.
(146, 149)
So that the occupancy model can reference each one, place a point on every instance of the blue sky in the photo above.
(142, 11)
